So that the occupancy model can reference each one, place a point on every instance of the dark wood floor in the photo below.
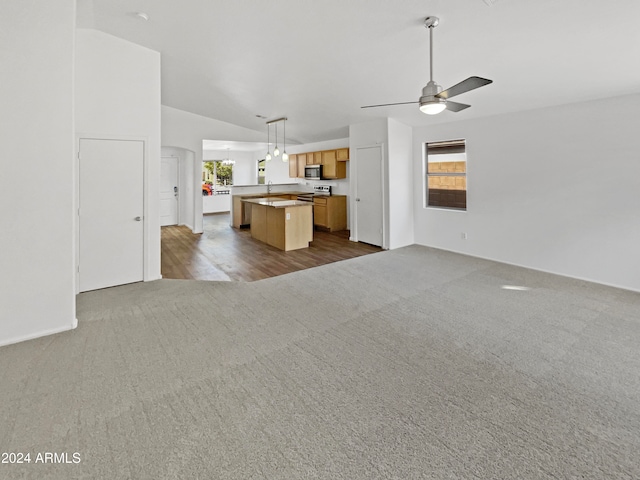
(226, 253)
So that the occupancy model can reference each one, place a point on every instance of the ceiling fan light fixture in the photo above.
(433, 106)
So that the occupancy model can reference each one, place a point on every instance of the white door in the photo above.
(369, 212)
(169, 191)
(111, 232)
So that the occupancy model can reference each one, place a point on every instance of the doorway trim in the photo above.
(383, 191)
(145, 200)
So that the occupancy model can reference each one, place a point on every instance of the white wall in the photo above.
(400, 184)
(276, 171)
(187, 130)
(37, 290)
(216, 203)
(117, 95)
(554, 189)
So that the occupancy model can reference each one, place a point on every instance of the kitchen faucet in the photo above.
(269, 186)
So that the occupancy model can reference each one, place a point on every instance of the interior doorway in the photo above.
(169, 191)
(111, 213)
(369, 211)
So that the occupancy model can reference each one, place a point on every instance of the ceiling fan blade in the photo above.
(470, 83)
(387, 104)
(456, 107)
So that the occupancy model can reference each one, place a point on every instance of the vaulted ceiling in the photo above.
(318, 61)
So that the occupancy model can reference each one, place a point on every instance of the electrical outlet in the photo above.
(463, 235)
(288, 216)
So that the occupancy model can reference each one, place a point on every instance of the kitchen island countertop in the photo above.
(276, 202)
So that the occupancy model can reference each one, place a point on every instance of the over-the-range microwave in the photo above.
(313, 172)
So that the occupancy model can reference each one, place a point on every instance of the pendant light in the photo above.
(228, 161)
(267, 157)
(285, 155)
(276, 151)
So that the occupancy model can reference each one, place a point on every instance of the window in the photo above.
(261, 170)
(216, 177)
(446, 182)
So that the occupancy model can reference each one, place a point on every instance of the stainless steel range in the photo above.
(318, 190)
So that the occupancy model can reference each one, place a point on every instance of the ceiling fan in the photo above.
(434, 100)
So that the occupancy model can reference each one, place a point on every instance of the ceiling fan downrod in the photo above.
(429, 103)
(430, 23)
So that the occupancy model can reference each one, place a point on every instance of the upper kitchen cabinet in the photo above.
(302, 162)
(314, 158)
(331, 167)
(332, 161)
(293, 166)
(342, 154)
(297, 162)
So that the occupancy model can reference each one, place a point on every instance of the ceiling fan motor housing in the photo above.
(429, 93)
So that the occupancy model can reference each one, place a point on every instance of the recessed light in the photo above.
(514, 287)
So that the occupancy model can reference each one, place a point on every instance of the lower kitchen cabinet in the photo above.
(330, 212)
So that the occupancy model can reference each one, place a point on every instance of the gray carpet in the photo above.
(406, 364)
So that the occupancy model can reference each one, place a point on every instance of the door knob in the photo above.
(137, 219)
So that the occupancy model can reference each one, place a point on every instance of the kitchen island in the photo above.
(282, 223)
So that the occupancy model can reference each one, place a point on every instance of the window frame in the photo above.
(453, 146)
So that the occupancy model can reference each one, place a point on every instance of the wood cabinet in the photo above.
(314, 158)
(302, 162)
(333, 162)
(331, 168)
(288, 228)
(320, 213)
(330, 212)
(342, 154)
(293, 166)
(297, 164)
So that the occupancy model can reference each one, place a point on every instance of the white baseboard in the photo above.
(43, 333)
